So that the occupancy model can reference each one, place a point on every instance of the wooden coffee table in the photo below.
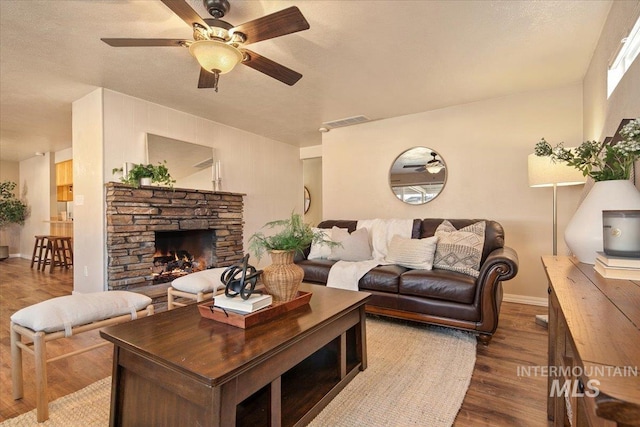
(177, 368)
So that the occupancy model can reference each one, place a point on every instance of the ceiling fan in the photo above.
(433, 166)
(219, 46)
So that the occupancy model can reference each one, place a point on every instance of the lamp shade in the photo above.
(215, 55)
(544, 172)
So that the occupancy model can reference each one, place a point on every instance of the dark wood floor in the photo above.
(497, 395)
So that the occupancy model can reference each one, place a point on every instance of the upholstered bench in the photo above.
(195, 286)
(63, 317)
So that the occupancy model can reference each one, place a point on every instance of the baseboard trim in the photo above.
(523, 299)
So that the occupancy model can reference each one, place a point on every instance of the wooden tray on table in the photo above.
(244, 321)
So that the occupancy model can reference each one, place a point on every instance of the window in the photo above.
(628, 51)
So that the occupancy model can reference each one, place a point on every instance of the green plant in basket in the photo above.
(294, 235)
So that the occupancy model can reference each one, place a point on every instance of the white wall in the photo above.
(267, 171)
(485, 146)
(88, 194)
(601, 115)
(36, 175)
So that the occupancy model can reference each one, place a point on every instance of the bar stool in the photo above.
(58, 253)
(40, 245)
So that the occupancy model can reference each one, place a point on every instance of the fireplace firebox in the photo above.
(182, 252)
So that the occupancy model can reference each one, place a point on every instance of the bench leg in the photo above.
(170, 299)
(40, 353)
(16, 365)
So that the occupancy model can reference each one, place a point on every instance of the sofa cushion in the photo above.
(353, 247)
(320, 250)
(441, 284)
(412, 253)
(460, 250)
(383, 278)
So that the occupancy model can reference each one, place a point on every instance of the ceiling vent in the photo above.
(349, 121)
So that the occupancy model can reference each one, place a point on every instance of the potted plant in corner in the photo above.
(12, 211)
(141, 174)
(610, 166)
(282, 278)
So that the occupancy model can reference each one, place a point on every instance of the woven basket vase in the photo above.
(282, 278)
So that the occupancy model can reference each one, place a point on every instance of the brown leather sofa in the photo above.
(437, 296)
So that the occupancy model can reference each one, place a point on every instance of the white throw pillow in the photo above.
(412, 253)
(353, 247)
(79, 309)
(320, 251)
(201, 281)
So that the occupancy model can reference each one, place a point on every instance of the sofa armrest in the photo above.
(501, 264)
(504, 261)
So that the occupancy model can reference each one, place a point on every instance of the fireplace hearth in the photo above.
(156, 234)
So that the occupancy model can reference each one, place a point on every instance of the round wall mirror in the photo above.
(418, 175)
(307, 200)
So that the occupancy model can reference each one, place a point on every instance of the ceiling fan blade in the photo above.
(144, 42)
(207, 80)
(270, 68)
(286, 21)
(185, 12)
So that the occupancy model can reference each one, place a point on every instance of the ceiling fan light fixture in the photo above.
(215, 55)
(434, 169)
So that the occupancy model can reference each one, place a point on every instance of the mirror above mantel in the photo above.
(191, 165)
(418, 175)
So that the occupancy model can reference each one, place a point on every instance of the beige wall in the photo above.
(111, 128)
(601, 115)
(485, 146)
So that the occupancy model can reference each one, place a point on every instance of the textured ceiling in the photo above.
(376, 58)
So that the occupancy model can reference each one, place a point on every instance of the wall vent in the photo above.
(349, 121)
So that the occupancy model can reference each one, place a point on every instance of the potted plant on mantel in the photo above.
(282, 278)
(12, 211)
(141, 174)
(610, 166)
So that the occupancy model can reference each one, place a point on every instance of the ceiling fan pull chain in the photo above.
(216, 77)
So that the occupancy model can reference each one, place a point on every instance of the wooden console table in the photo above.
(594, 346)
(178, 368)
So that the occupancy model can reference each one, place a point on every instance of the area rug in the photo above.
(418, 375)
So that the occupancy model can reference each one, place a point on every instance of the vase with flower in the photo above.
(283, 277)
(610, 166)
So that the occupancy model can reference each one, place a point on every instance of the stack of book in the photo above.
(613, 267)
(239, 305)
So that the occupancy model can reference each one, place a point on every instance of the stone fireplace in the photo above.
(151, 230)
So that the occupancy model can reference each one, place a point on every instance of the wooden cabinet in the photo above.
(64, 181)
(594, 347)
(64, 173)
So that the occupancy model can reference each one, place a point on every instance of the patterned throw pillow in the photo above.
(460, 250)
(412, 253)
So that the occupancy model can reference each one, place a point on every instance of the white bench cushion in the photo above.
(62, 313)
(201, 281)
